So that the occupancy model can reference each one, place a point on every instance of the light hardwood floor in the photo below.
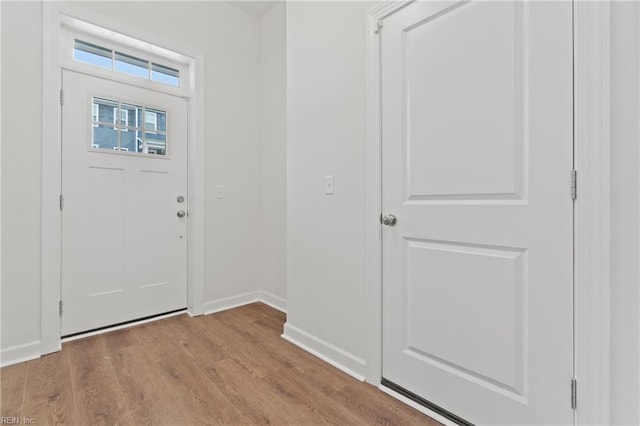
(227, 368)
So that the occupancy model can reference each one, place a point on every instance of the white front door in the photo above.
(477, 157)
(124, 248)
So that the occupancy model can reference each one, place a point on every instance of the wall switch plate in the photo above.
(220, 192)
(329, 185)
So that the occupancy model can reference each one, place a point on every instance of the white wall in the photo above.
(625, 213)
(21, 174)
(273, 138)
(326, 124)
(229, 39)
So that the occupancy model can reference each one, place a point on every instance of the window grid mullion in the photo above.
(119, 122)
(144, 133)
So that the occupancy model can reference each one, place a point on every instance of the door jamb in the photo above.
(373, 331)
(591, 213)
(51, 256)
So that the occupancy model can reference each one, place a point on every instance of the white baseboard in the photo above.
(226, 303)
(20, 353)
(276, 302)
(342, 360)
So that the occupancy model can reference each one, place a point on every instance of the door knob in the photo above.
(389, 220)
(181, 213)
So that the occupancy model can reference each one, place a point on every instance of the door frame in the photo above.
(54, 14)
(591, 208)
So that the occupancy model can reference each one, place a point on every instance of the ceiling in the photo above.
(255, 8)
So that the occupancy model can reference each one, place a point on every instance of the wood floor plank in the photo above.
(192, 338)
(12, 382)
(260, 405)
(246, 408)
(230, 367)
(97, 394)
(116, 340)
(149, 400)
(155, 340)
(199, 397)
(244, 348)
(376, 407)
(48, 394)
(314, 397)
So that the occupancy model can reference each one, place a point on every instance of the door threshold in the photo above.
(122, 325)
(430, 406)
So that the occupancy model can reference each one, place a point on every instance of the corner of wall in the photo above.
(223, 304)
(272, 145)
(276, 302)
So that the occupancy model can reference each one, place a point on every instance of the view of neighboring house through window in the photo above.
(151, 120)
(119, 126)
(124, 119)
(95, 114)
(103, 57)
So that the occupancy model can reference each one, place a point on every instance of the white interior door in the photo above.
(477, 156)
(124, 248)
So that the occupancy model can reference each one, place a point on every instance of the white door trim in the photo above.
(591, 250)
(591, 97)
(374, 190)
(51, 284)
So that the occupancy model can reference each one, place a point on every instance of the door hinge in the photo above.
(574, 184)
(61, 202)
(379, 26)
(61, 97)
(574, 394)
(60, 307)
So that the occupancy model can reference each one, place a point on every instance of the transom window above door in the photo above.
(112, 59)
(128, 128)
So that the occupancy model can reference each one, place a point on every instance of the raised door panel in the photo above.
(465, 104)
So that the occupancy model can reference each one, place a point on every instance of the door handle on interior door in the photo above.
(389, 220)
(182, 213)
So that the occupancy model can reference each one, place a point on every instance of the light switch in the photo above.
(328, 185)
(220, 192)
